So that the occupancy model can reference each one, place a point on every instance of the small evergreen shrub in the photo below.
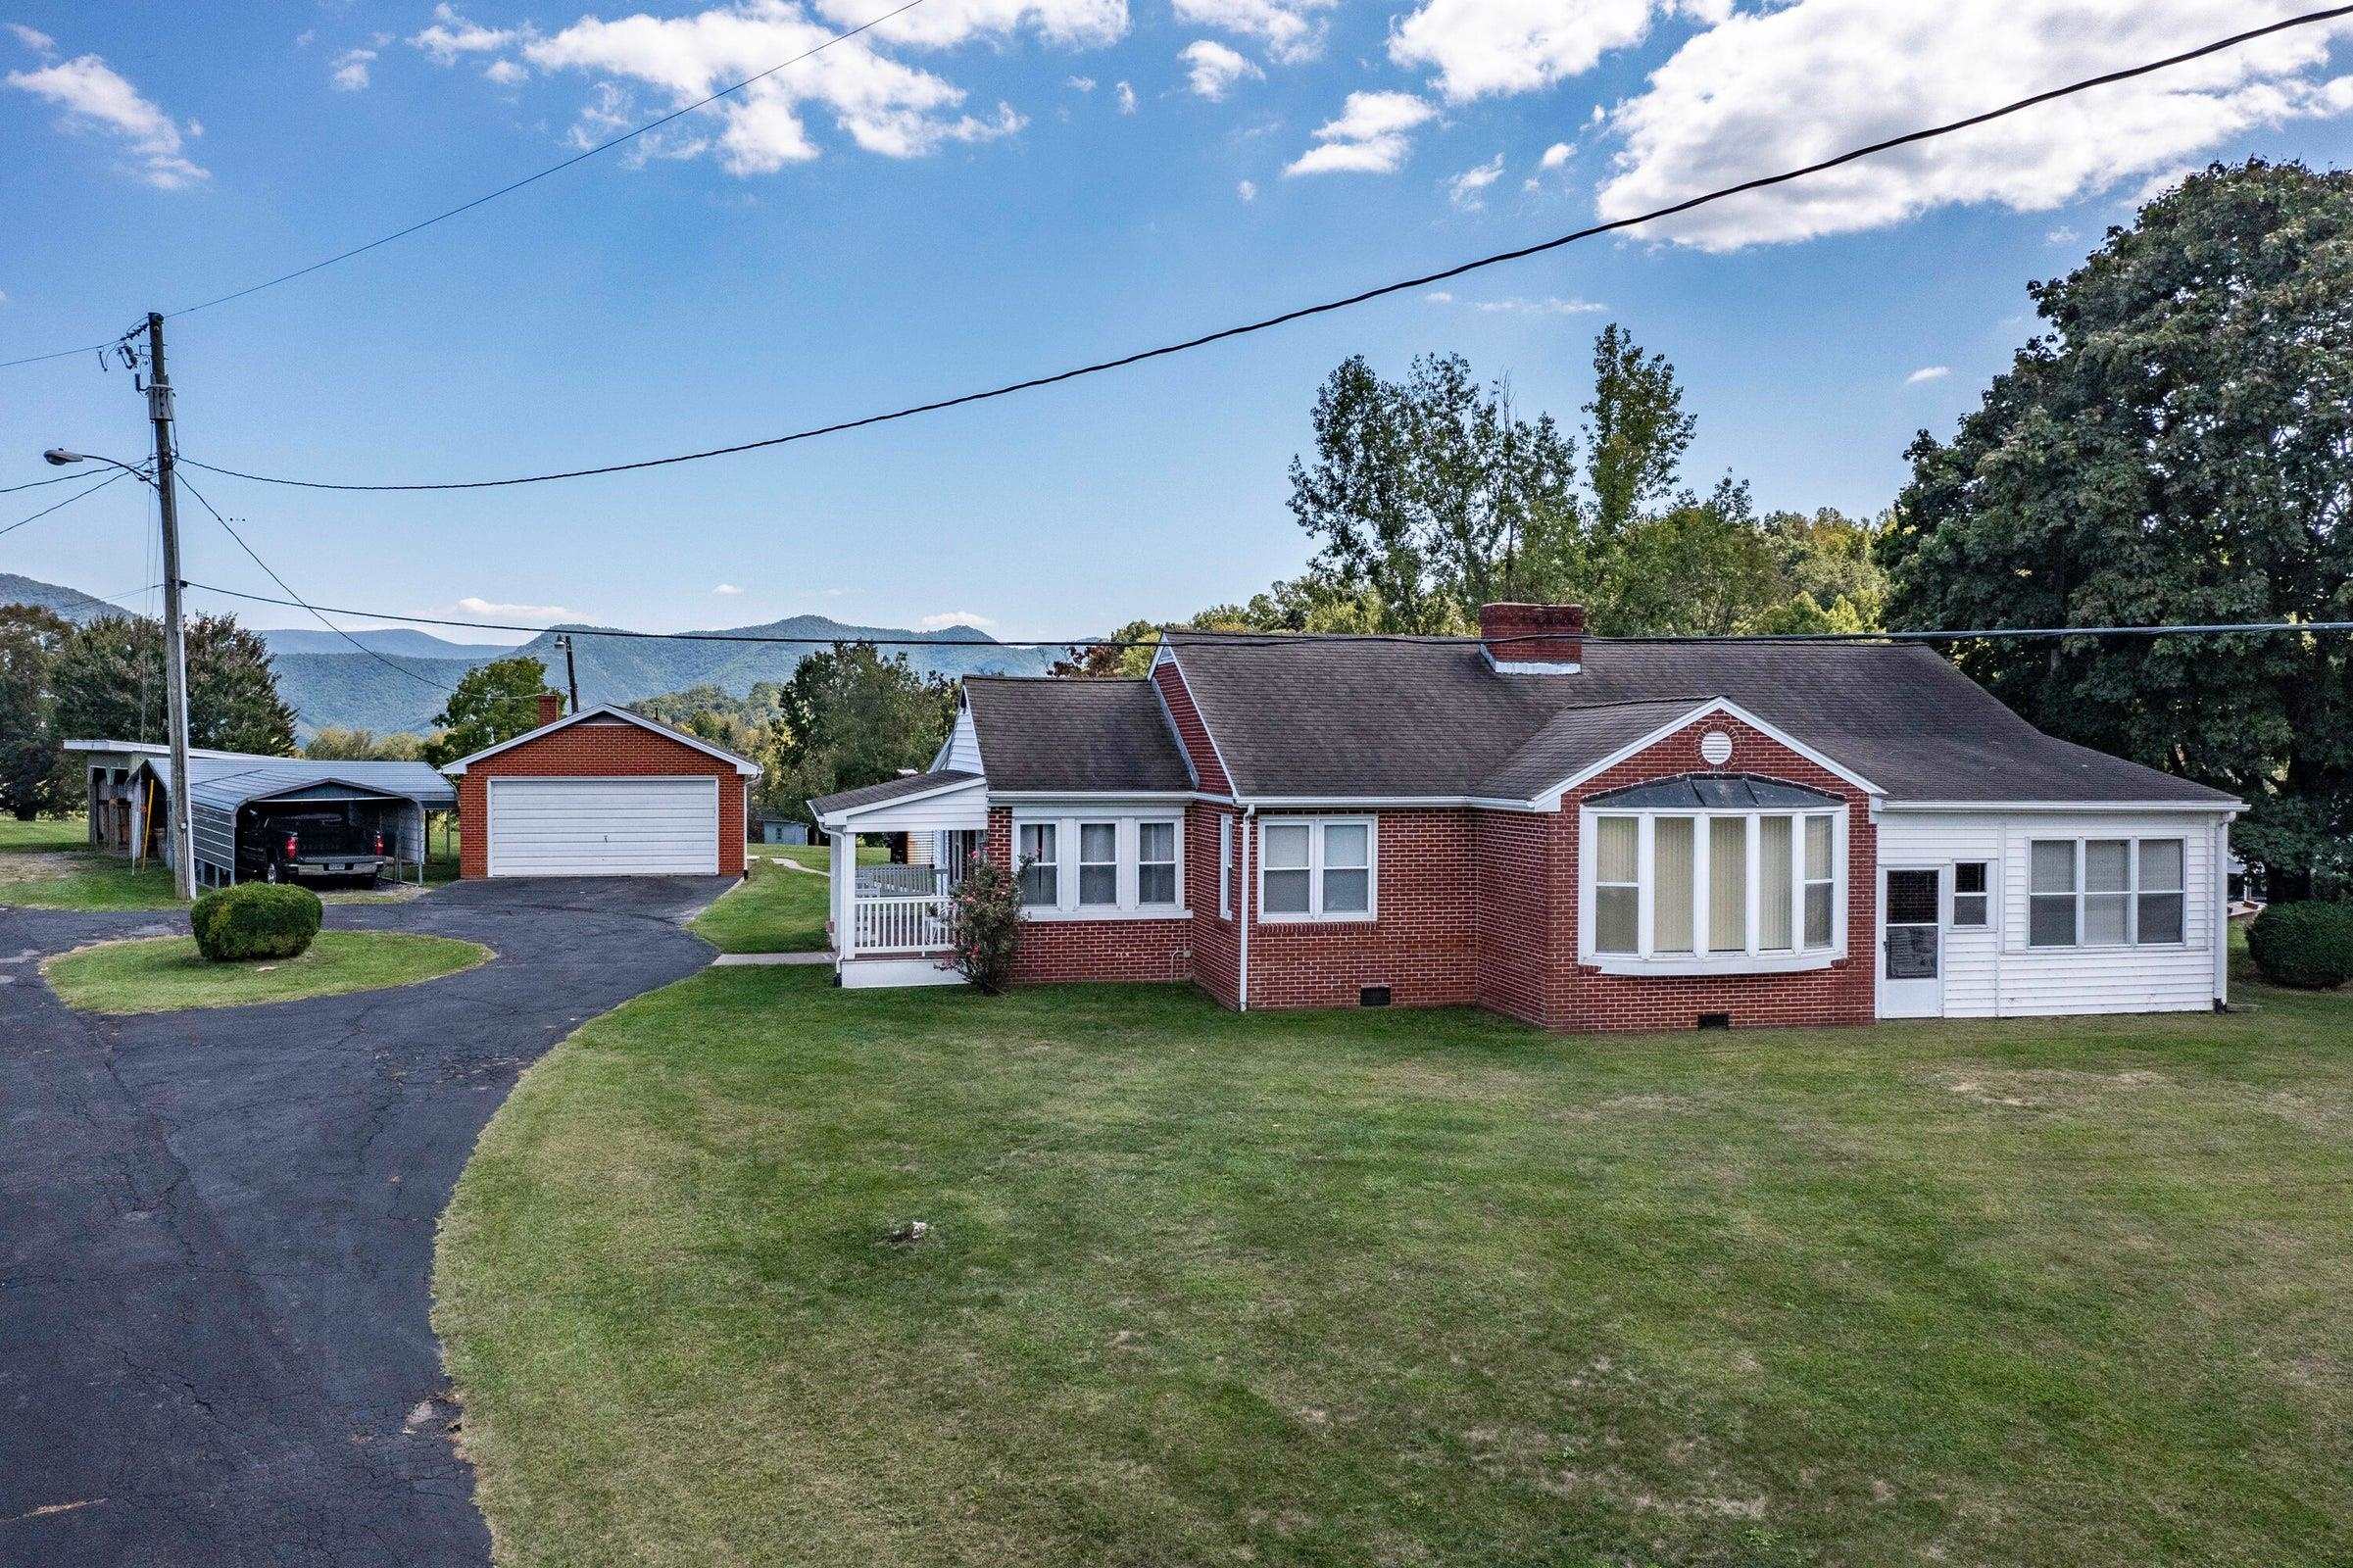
(255, 920)
(2308, 945)
(985, 919)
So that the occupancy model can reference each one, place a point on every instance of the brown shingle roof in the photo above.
(1086, 736)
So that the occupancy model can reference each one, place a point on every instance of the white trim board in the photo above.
(744, 768)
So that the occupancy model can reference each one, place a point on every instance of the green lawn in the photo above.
(817, 857)
(773, 910)
(166, 974)
(1370, 1288)
(43, 833)
(47, 865)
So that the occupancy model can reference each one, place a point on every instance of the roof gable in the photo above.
(606, 714)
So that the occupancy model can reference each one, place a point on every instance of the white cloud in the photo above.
(32, 39)
(1928, 373)
(1559, 152)
(1479, 47)
(1719, 109)
(1213, 69)
(93, 96)
(350, 69)
(882, 105)
(1127, 97)
(1293, 32)
(505, 72)
(1247, 189)
(1463, 189)
(452, 36)
(942, 24)
(1368, 137)
(2062, 235)
(474, 606)
(1438, 296)
(728, 589)
(1550, 304)
(953, 618)
(1082, 83)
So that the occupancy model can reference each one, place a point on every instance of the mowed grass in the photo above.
(773, 910)
(1404, 1287)
(166, 975)
(48, 865)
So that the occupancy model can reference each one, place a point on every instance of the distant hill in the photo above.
(402, 686)
(401, 640)
(71, 603)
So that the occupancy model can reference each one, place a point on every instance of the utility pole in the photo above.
(572, 676)
(175, 644)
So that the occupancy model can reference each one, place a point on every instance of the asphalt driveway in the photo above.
(216, 1232)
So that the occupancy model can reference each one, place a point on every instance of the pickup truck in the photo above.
(285, 848)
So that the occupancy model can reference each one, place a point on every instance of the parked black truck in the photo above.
(290, 846)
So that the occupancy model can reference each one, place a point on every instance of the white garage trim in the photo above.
(642, 825)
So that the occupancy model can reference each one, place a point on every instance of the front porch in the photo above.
(891, 925)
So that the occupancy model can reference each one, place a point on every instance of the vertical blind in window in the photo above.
(1671, 873)
(1776, 884)
(1617, 900)
(1727, 884)
(1819, 881)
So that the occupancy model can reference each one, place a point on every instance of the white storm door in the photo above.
(604, 827)
(1911, 942)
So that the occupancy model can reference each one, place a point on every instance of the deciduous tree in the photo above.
(493, 703)
(110, 685)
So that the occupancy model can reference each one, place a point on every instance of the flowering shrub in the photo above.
(985, 916)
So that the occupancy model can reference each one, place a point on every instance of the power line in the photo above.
(492, 196)
(1264, 323)
(1280, 639)
(69, 500)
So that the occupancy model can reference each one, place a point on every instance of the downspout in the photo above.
(1242, 907)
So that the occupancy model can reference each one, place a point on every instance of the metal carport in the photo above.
(221, 788)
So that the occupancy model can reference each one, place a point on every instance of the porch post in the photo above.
(844, 875)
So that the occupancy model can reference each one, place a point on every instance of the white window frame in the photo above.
(1317, 827)
(1752, 958)
(1225, 866)
(1175, 861)
(1126, 822)
(1052, 867)
(1953, 897)
(2131, 893)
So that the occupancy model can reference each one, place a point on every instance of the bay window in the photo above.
(1317, 868)
(2104, 893)
(1700, 889)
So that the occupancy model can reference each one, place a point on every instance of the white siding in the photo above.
(962, 754)
(1994, 973)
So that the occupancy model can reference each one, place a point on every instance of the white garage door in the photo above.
(604, 827)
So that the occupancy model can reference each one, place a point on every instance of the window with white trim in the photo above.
(1225, 866)
(2105, 893)
(1318, 868)
(1692, 890)
(1971, 902)
(1101, 866)
(1040, 870)
(1155, 865)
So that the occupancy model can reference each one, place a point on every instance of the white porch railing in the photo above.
(917, 924)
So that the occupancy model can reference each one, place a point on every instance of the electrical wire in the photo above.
(1301, 312)
(491, 196)
(1294, 639)
(69, 500)
(36, 484)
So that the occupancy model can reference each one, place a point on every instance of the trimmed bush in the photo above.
(255, 920)
(2304, 945)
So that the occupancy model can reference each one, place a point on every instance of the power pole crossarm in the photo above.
(175, 645)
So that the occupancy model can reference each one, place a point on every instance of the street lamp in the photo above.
(176, 649)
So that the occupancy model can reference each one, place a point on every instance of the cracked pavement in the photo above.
(216, 1232)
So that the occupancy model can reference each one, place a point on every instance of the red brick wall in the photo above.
(1843, 993)
(1192, 733)
(1056, 952)
(1422, 945)
(593, 749)
(1216, 942)
(1523, 892)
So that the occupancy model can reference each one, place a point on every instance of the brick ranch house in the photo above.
(1583, 834)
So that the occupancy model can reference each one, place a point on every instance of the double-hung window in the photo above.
(1101, 866)
(1972, 903)
(2104, 893)
(1040, 870)
(1225, 867)
(1696, 890)
(1317, 868)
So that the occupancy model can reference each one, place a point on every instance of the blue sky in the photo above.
(985, 189)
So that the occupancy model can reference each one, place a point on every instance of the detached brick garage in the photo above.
(602, 793)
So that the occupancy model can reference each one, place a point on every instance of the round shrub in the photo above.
(255, 920)
(2306, 945)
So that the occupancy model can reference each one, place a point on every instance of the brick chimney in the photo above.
(551, 708)
(1534, 639)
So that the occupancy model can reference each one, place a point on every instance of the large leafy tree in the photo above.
(2177, 446)
(1635, 433)
(109, 683)
(32, 779)
(492, 703)
(850, 717)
